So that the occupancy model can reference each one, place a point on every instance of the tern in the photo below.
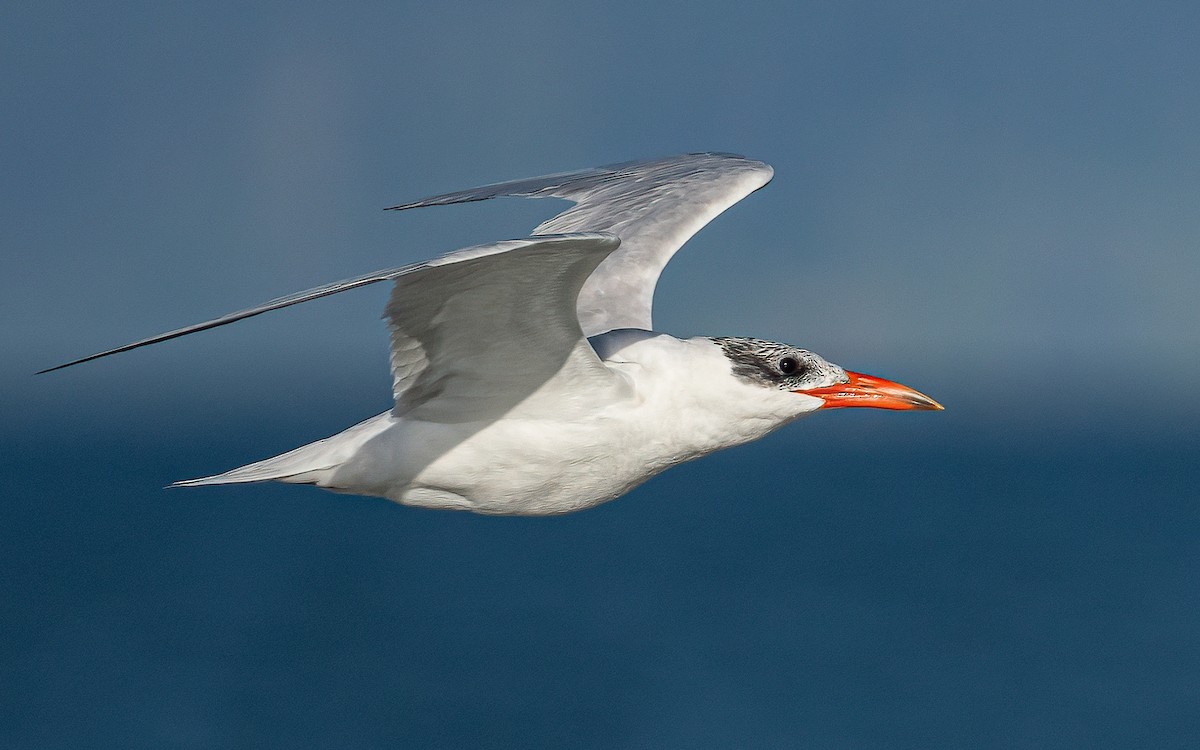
(527, 376)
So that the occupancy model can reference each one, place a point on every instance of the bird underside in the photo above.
(676, 401)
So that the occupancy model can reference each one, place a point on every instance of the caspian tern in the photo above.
(528, 379)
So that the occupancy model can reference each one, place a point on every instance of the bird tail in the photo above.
(296, 467)
(309, 464)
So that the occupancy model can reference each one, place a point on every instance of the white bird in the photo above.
(528, 379)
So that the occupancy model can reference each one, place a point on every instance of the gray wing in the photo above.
(513, 301)
(652, 206)
(491, 330)
(286, 301)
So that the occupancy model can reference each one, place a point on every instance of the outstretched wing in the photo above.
(482, 332)
(652, 206)
(477, 331)
(286, 301)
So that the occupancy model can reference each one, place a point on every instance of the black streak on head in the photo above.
(759, 361)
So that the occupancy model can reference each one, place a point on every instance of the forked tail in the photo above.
(309, 464)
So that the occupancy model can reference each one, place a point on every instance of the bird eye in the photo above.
(788, 365)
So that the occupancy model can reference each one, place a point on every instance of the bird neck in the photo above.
(685, 389)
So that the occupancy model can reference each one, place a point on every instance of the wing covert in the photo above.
(481, 332)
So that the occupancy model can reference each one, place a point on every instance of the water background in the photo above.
(856, 579)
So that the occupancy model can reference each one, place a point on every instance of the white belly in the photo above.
(528, 467)
(510, 466)
(676, 409)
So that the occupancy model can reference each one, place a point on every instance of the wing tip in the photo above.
(73, 362)
(448, 199)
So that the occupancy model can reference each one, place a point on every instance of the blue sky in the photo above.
(1005, 189)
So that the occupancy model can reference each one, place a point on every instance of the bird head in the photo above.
(787, 368)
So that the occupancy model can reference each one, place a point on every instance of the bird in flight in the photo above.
(527, 376)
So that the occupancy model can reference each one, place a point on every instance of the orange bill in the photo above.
(877, 393)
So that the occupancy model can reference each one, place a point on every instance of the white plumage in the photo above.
(504, 405)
